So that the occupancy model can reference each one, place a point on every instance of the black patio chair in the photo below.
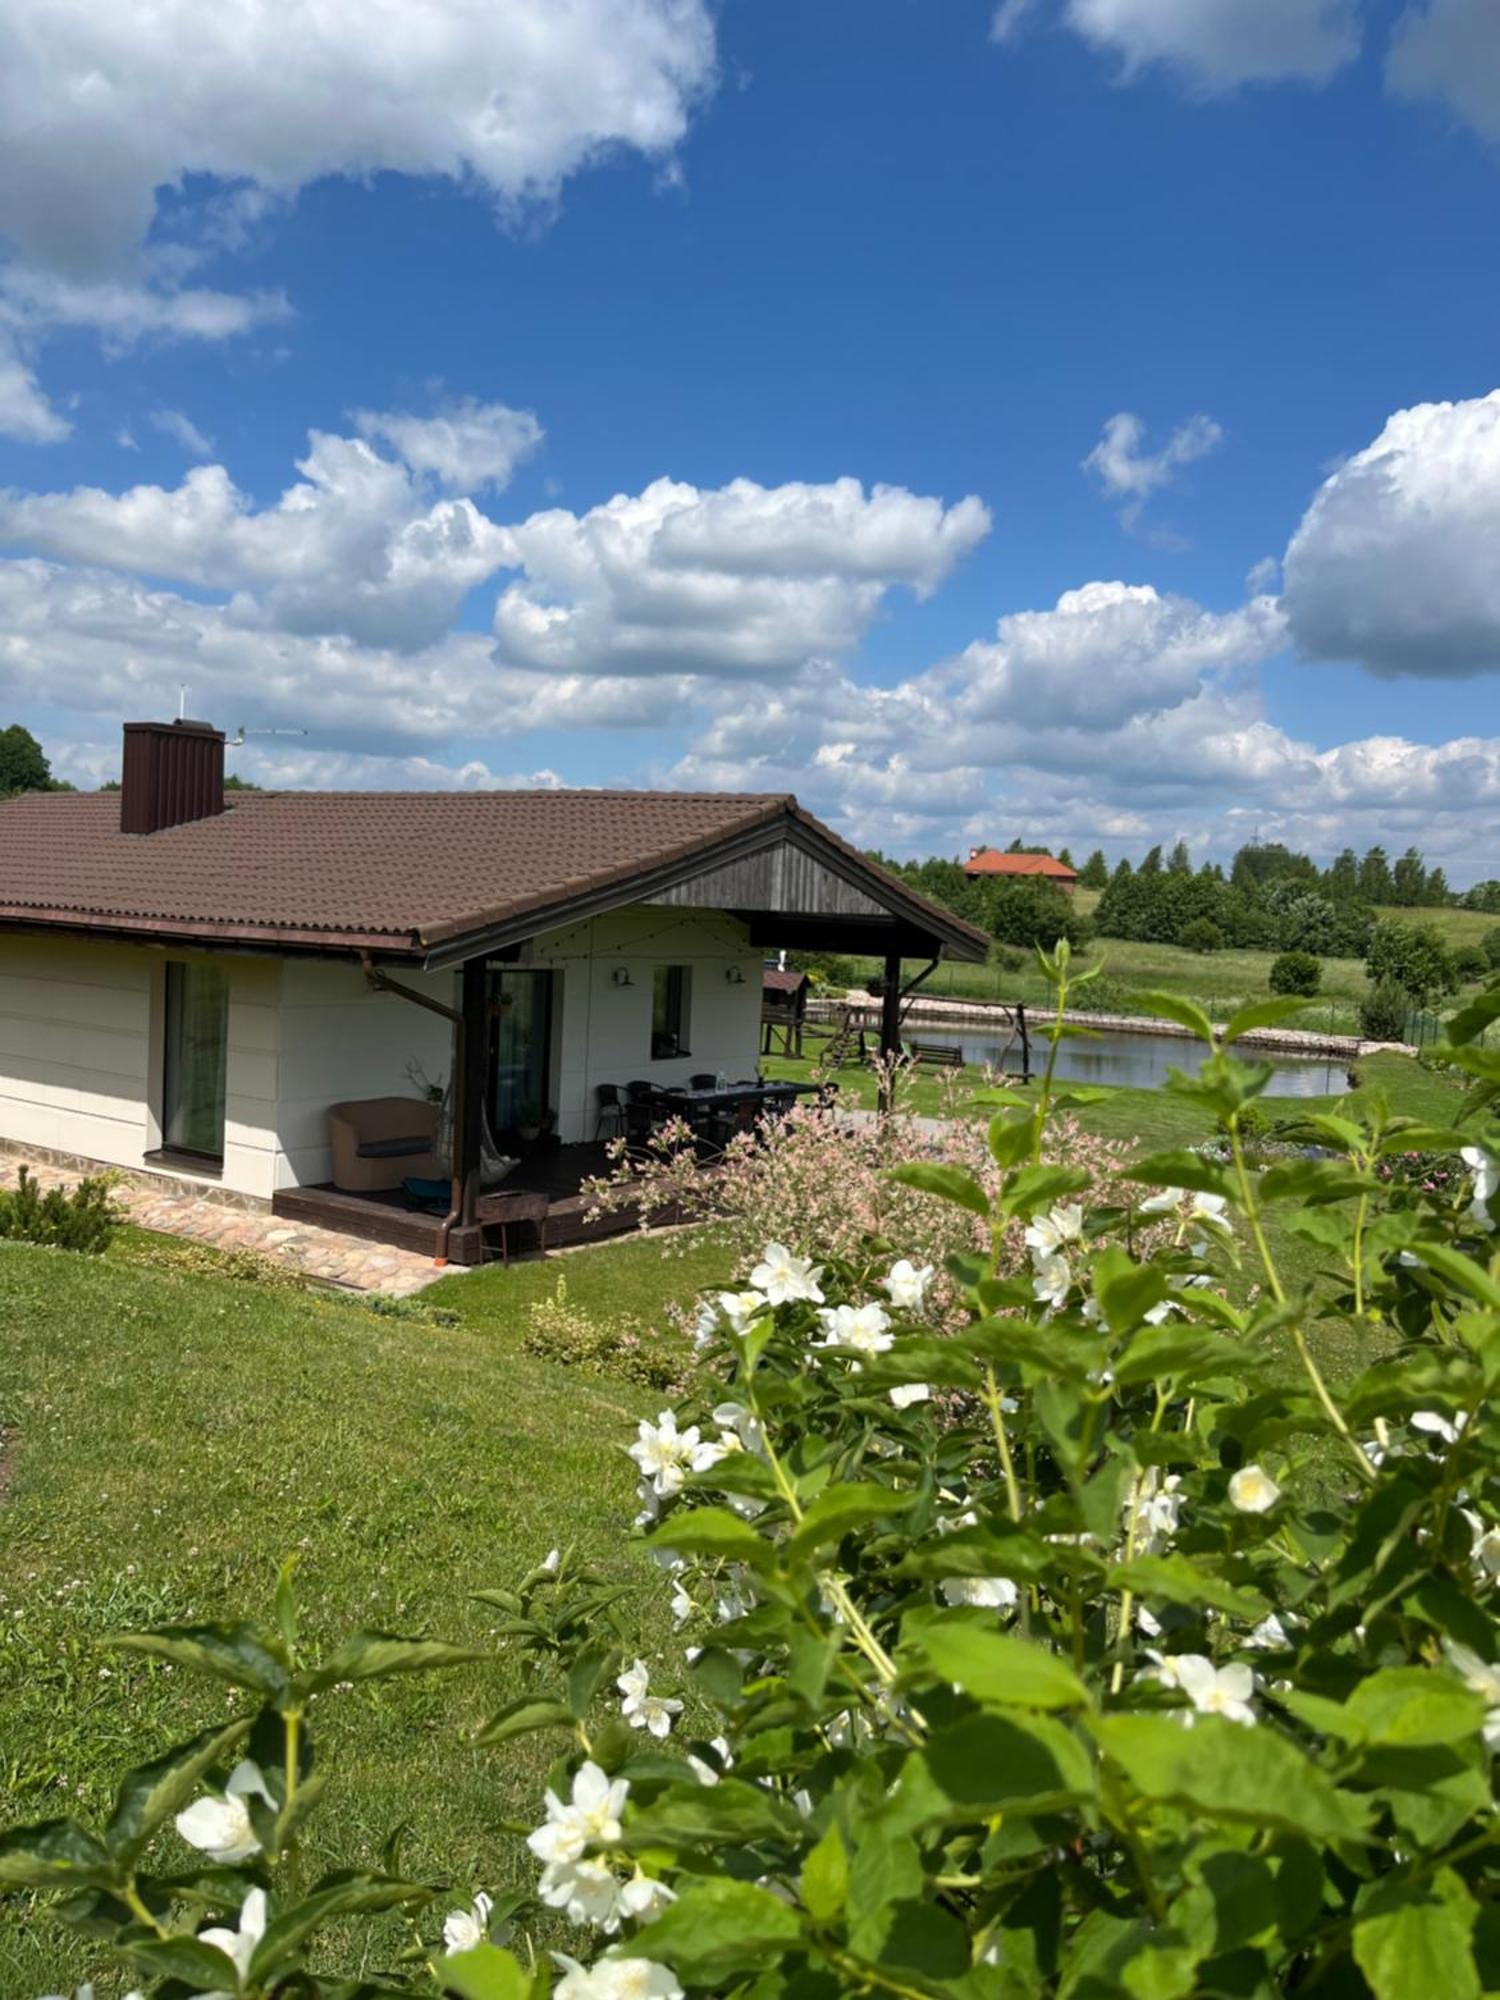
(702, 1081)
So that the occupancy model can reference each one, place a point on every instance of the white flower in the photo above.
(1046, 1234)
(1212, 1690)
(1157, 1509)
(992, 1593)
(1157, 1314)
(615, 1979)
(1269, 1635)
(1210, 1208)
(463, 1930)
(666, 1455)
(592, 1814)
(1163, 1201)
(905, 1284)
(784, 1277)
(239, 1945)
(585, 1891)
(705, 1323)
(1484, 1680)
(741, 1424)
(1486, 1179)
(642, 1709)
(866, 1328)
(220, 1828)
(739, 1309)
(1253, 1491)
(551, 1561)
(683, 1606)
(1437, 1425)
(907, 1393)
(1485, 1547)
(643, 1897)
(1052, 1281)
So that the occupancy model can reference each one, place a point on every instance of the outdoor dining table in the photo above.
(716, 1097)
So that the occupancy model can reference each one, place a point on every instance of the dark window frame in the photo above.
(671, 1012)
(175, 1032)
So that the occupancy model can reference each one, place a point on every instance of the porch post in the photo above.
(468, 1094)
(890, 1022)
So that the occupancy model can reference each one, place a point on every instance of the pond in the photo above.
(1140, 1061)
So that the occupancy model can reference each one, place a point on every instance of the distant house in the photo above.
(985, 861)
(224, 987)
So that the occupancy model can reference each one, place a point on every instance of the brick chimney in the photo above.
(173, 772)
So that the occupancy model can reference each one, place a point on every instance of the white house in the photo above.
(190, 979)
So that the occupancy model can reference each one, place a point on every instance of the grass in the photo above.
(177, 1432)
(176, 1435)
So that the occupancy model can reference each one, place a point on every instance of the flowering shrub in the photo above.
(598, 1344)
(1165, 1668)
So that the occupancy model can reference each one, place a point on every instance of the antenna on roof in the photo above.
(242, 732)
(182, 701)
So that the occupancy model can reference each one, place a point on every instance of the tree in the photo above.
(1180, 861)
(1413, 957)
(1342, 882)
(1296, 972)
(1028, 909)
(1095, 871)
(1409, 878)
(1375, 884)
(1065, 857)
(1152, 863)
(1438, 895)
(23, 765)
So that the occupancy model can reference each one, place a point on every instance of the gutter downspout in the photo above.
(382, 982)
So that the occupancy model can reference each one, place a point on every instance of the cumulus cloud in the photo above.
(26, 413)
(747, 581)
(176, 424)
(1131, 474)
(464, 445)
(1216, 45)
(1449, 50)
(1394, 564)
(103, 107)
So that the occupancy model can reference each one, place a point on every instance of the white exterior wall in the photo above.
(342, 1039)
(80, 1055)
(601, 1032)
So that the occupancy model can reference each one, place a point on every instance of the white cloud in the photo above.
(747, 581)
(1394, 562)
(101, 107)
(123, 312)
(178, 425)
(1131, 474)
(1011, 19)
(1450, 50)
(464, 445)
(25, 412)
(1216, 45)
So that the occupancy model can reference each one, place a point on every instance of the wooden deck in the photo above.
(391, 1218)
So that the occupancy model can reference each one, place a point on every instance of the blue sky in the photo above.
(1071, 421)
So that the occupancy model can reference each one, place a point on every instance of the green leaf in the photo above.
(717, 1928)
(1226, 1771)
(236, 1653)
(1263, 1014)
(1414, 1939)
(1416, 1707)
(697, 1817)
(993, 1666)
(286, 1606)
(1470, 1022)
(376, 1656)
(1314, 1181)
(947, 1183)
(153, 1792)
(57, 1854)
(1178, 1579)
(836, 1511)
(1171, 1007)
(523, 1717)
(1035, 1188)
(712, 1531)
(991, 1548)
(485, 1973)
(592, 1667)
(1461, 1271)
(1126, 1290)
(347, 1893)
(1182, 1169)
(825, 1878)
(1014, 1764)
(1182, 1353)
(1012, 1139)
(202, 1968)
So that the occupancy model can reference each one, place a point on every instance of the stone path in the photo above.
(322, 1254)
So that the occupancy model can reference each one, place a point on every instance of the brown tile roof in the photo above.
(386, 871)
(988, 861)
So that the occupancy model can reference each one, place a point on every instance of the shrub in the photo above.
(596, 1344)
(1413, 957)
(1201, 935)
(1383, 1013)
(1470, 961)
(1489, 944)
(1296, 972)
(1103, 1647)
(82, 1218)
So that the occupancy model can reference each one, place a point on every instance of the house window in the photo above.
(197, 1042)
(671, 1001)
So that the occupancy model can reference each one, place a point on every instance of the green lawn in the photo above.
(176, 1436)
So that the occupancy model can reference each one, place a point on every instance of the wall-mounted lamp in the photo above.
(621, 976)
(735, 975)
